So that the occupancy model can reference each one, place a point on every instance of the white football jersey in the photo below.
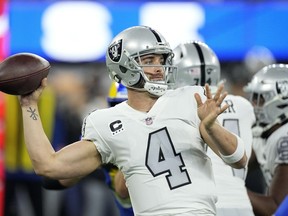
(161, 153)
(230, 183)
(272, 151)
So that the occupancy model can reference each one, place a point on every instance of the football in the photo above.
(22, 73)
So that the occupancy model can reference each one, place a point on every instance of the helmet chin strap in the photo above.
(267, 130)
(156, 89)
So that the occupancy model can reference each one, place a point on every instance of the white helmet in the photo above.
(127, 47)
(269, 93)
(197, 64)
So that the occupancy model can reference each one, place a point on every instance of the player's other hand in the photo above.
(209, 110)
(32, 98)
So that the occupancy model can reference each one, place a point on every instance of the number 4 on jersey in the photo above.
(161, 158)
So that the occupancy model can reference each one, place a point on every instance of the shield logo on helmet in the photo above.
(282, 88)
(115, 51)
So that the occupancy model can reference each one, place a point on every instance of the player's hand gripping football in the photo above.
(32, 98)
(211, 108)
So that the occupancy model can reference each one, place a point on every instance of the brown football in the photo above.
(22, 73)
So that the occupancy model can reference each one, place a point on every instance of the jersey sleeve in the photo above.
(90, 132)
(282, 151)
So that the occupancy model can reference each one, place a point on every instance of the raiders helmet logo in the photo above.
(282, 88)
(115, 51)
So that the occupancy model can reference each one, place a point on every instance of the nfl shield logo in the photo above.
(149, 120)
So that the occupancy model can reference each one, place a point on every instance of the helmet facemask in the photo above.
(132, 66)
(159, 86)
(260, 101)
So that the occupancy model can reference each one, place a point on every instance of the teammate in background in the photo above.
(198, 64)
(157, 138)
(268, 91)
(114, 178)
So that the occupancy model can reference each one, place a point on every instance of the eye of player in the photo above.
(257, 99)
(152, 60)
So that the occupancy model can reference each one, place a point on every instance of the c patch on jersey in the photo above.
(114, 51)
(116, 127)
(282, 148)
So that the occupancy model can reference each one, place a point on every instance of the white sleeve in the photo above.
(89, 132)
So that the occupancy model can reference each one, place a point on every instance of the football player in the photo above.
(268, 91)
(157, 138)
(114, 177)
(198, 64)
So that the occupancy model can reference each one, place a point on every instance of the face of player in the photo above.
(152, 66)
(257, 100)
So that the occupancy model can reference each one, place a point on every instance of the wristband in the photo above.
(237, 155)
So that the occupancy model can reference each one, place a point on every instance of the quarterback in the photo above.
(157, 138)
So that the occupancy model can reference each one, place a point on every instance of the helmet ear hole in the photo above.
(122, 69)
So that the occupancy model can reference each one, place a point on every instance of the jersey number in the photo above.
(161, 158)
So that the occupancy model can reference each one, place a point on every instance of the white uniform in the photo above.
(230, 183)
(161, 154)
(272, 151)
